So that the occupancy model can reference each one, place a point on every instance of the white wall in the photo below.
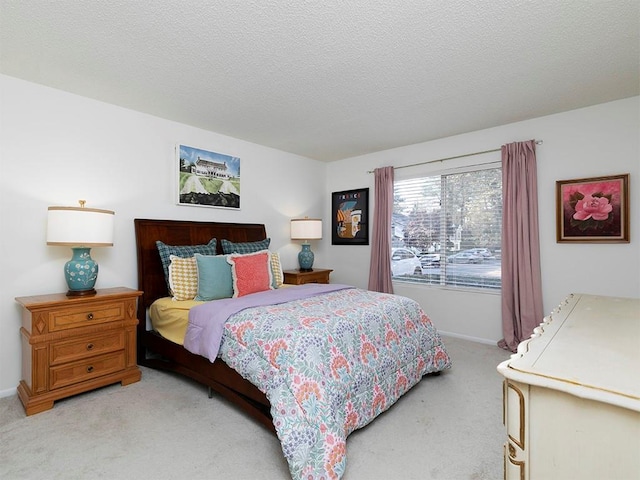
(57, 148)
(589, 142)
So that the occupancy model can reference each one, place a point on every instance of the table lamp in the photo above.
(80, 228)
(306, 229)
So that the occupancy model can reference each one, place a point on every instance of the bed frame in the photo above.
(156, 352)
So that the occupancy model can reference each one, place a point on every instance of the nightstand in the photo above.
(72, 345)
(296, 277)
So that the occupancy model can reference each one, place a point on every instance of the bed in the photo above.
(305, 394)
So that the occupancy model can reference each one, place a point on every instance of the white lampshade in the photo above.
(306, 229)
(79, 226)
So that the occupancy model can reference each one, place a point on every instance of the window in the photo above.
(453, 224)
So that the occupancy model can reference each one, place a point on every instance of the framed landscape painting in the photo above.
(593, 210)
(207, 179)
(350, 217)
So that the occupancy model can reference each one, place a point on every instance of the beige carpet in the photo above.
(165, 427)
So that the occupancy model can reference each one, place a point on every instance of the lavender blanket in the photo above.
(206, 321)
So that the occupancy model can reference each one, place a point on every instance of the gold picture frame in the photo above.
(593, 210)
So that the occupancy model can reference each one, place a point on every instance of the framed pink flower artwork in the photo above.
(593, 210)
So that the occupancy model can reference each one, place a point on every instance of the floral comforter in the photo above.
(329, 364)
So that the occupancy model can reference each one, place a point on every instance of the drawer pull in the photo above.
(90, 369)
(90, 346)
(89, 316)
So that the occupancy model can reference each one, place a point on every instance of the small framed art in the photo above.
(207, 179)
(593, 210)
(350, 217)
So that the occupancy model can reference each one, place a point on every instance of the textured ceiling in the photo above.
(330, 79)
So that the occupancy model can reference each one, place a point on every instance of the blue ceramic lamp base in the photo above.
(81, 272)
(305, 258)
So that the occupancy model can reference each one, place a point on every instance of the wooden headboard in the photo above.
(151, 279)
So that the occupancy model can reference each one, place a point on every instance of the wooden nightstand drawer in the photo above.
(85, 347)
(76, 372)
(297, 277)
(85, 315)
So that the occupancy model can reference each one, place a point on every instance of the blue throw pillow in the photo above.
(182, 251)
(214, 277)
(244, 247)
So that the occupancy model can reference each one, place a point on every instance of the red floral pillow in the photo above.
(251, 273)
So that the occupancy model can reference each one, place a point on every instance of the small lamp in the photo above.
(80, 228)
(306, 229)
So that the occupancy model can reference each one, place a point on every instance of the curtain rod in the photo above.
(538, 142)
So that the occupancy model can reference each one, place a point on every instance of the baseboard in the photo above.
(8, 392)
(467, 337)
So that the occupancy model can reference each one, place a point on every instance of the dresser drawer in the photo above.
(86, 315)
(86, 347)
(76, 372)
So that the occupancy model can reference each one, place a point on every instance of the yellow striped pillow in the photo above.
(276, 270)
(183, 278)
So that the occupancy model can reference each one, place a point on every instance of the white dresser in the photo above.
(572, 394)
